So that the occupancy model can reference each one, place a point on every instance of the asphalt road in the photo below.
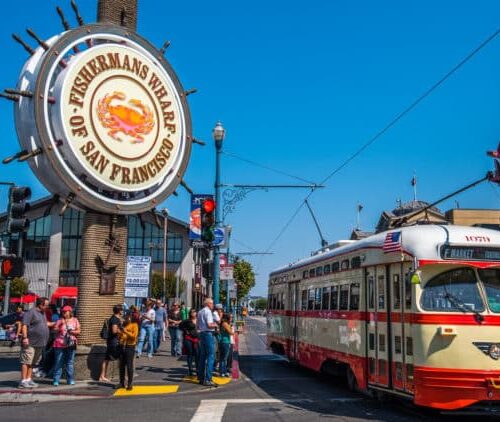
(270, 388)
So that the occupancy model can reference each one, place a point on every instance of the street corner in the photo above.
(146, 390)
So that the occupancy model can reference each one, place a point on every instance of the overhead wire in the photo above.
(389, 125)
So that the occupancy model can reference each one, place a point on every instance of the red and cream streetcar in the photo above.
(414, 311)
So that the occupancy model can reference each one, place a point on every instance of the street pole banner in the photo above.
(195, 216)
(137, 278)
(226, 272)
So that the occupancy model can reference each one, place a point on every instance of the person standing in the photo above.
(184, 311)
(67, 328)
(190, 340)
(113, 349)
(174, 320)
(147, 330)
(160, 319)
(35, 335)
(206, 326)
(225, 333)
(128, 341)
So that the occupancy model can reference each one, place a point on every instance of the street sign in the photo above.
(219, 237)
(137, 278)
(226, 272)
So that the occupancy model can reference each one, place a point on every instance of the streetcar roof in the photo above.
(421, 241)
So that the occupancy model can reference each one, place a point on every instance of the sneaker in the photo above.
(150, 356)
(71, 382)
(24, 384)
(55, 383)
(32, 384)
(129, 388)
(210, 384)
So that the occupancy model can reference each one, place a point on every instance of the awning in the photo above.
(71, 292)
(28, 298)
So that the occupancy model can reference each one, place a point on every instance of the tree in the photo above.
(170, 282)
(261, 303)
(18, 287)
(244, 277)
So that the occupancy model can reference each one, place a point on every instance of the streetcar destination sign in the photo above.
(470, 253)
(108, 120)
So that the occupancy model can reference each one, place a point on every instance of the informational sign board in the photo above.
(227, 272)
(138, 274)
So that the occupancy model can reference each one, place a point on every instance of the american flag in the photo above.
(392, 242)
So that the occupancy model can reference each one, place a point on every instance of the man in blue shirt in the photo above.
(160, 319)
(206, 326)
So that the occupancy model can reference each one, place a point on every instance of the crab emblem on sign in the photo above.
(130, 121)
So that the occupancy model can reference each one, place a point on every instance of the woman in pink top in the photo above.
(67, 328)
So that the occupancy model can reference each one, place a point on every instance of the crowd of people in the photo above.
(204, 337)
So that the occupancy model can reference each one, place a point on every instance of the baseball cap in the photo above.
(218, 306)
(67, 308)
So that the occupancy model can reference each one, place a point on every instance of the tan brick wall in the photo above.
(114, 11)
(93, 308)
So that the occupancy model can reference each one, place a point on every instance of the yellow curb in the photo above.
(217, 380)
(147, 390)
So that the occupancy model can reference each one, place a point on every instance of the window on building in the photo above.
(71, 243)
(36, 244)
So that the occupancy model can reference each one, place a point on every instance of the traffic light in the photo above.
(208, 219)
(12, 266)
(18, 207)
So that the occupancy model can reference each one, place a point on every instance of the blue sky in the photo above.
(299, 86)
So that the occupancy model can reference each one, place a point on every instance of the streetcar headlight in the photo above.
(494, 351)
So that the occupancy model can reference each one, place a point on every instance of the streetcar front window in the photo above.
(453, 291)
(491, 281)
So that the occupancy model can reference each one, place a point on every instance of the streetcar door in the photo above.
(396, 287)
(295, 303)
(378, 326)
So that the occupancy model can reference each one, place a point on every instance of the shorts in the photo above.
(30, 355)
(113, 351)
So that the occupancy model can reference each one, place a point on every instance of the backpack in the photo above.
(105, 330)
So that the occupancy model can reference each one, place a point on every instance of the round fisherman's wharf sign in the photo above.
(110, 118)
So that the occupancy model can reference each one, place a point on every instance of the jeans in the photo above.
(127, 361)
(207, 357)
(192, 354)
(224, 349)
(64, 356)
(175, 341)
(158, 334)
(146, 330)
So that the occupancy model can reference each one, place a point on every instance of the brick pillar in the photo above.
(93, 307)
(118, 12)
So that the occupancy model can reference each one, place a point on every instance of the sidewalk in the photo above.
(162, 374)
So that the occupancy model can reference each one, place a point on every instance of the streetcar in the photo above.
(414, 312)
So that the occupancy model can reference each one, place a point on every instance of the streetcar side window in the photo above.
(317, 299)
(334, 298)
(325, 302)
(354, 297)
(345, 264)
(305, 274)
(327, 269)
(304, 300)
(319, 271)
(344, 297)
(356, 262)
(491, 281)
(408, 288)
(452, 291)
(335, 267)
(311, 272)
(283, 301)
(396, 291)
(371, 292)
(310, 300)
(381, 292)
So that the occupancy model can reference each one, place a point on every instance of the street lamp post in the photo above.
(218, 135)
(228, 299)
(165, 245)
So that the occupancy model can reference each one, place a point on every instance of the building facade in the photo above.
(52, 247)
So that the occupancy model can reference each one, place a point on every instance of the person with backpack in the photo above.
(110, 332)
(67, 328)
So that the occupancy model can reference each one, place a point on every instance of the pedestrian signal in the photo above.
(12, 266)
